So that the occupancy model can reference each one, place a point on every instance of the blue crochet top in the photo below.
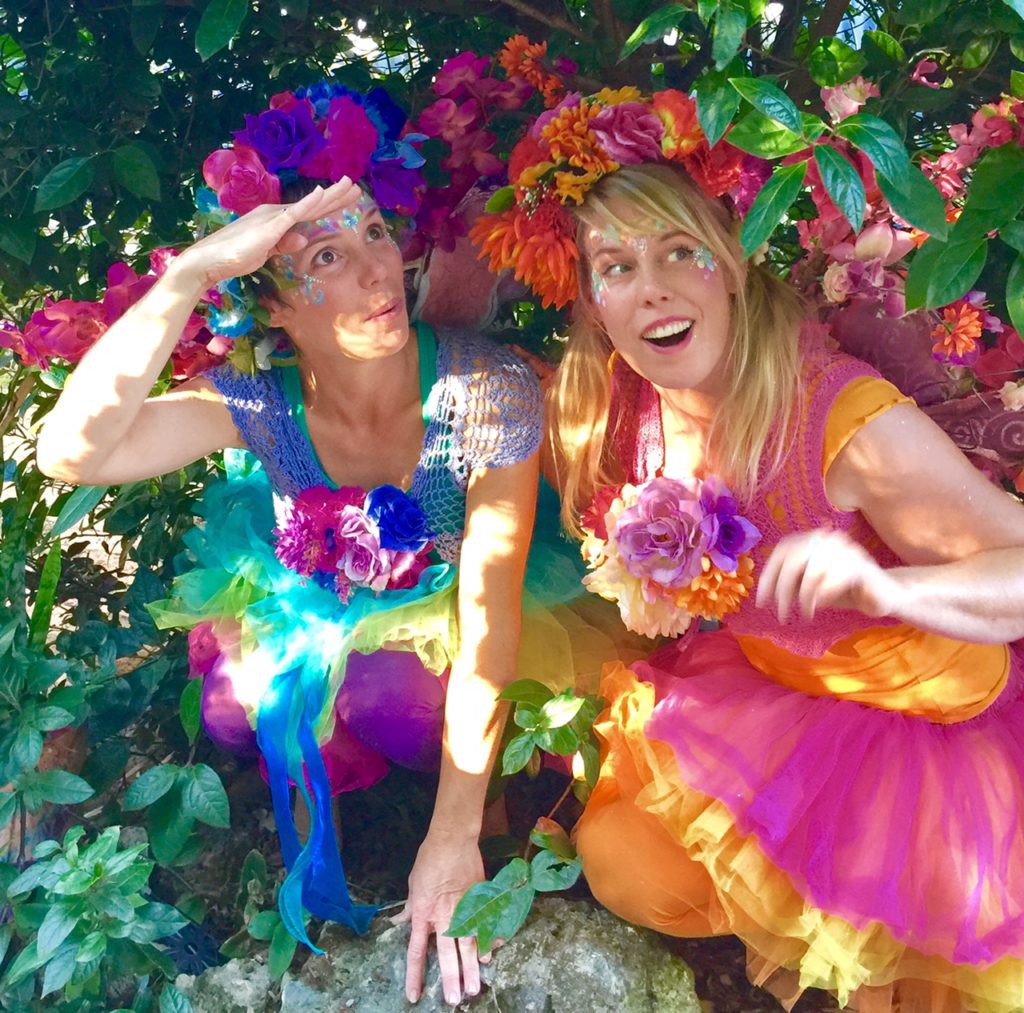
(481, 408)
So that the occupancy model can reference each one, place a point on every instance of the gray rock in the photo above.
(570, 957)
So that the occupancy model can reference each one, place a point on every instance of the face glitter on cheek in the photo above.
(287, 267)
(311, 291)
(599, 287)
(704, 259)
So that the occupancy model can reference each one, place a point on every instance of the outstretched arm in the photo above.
(961, 538)
(499, 518)
(105, 428)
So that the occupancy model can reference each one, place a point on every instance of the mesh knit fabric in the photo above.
(485, 412)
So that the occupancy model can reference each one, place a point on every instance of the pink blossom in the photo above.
(459, 74)
(447, 120)
(351, 141)
(203, 649)
(945, 174)
(361, 560)
(474, 149)
(838, 285)
(12, 338)
(308, 542)
(1005, 361)
(240, 180)
(160, 259)
(883, 243)
(124, 289)
(512, 94)
(629, 132)
(66, 329)
(928, 73)
(992, 130)
(756, 172)
(570, 101)
(846, 99)
(564, 66)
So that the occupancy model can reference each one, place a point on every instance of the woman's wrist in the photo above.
(187, 278)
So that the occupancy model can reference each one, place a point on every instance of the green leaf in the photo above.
(24, 964)
(889, 47)
(1013, 235)
(6, 934)
(564, 741)
(77, 506)
(150, 785)
(27, 881)
(653, 28)
(758, 135)
(60, 968)
(190, 708)
(219, 25)
(135, 171)
(527, 691)
(554, 840)
(11, 107)
(717, 102)
(916, 200)
(495, 909)
(833, 62)
(591, 762)
(879, 142)
(64, 183)
(204, 796)
(517, 753)
(58, 924)
(262, 925)
(76, 882)
(920, 12)
(1017, 84)
(771, 204)
(550, 873)
(46, 596)
(1015, 294)
(769, 100)
(1016, 5)
(93, 945)
(18, 240)
(561, 710)
(978, 51)
(282, 950)
(943, 272)
(155, 921)
(730, 27)
(27, 747)
(63, 788)
(145, 23)
(501, 200)
(173, 1001)
(170, 824)
(8, 807)
(50, 719)
(843, 183)
(996, 196)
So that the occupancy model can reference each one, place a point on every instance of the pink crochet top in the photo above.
(792, 500)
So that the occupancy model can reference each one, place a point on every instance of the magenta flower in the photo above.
(459, 74)
(124, 289)
(66, 329)
(308, 541)
(240, 179)
(281, 137)
(203, 649)
(928, 73)
(629, 132)
(728, 535)
(448, 120)
(12, 338)
(351, 139)
(754, 175)
(660, 538)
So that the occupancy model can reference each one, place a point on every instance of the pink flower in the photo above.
(160, 259)
(564, 66)
(838, 285)
(361, 560)
(203, 649)
(997, 365)
(406, 568)
(240, 180)
(569, 102)
(124, 289)
(447, 120)
(66, 329)
(459, 74)
(928, 73)
(308, 541)
(660, 538)
(351, 141)
(846, 99)
(474, 149)
(12, 338)
(755, 173)
(991, 129)
(629, 132)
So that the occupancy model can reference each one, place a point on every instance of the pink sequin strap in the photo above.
(635, 423)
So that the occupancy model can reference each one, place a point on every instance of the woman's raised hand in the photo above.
(245, 245)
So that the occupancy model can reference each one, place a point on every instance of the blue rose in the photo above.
(402, 524)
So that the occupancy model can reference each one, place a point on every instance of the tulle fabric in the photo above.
(852, 849)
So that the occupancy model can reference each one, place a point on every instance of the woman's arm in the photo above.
(499, 518)
(961, 536)
(104, 427)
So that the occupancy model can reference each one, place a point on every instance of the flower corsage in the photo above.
(348, 538)
(667, 551)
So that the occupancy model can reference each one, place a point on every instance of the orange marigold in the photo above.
(531, 174)
(521, 58)
(540, 247)
(574, 185)
(714, 593)
(958, 333)
(570, 138)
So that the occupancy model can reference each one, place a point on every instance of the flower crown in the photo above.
(565, 152)
(320, 132)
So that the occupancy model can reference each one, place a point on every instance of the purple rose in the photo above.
(728, 535)
(360, 558)
(281, 137)
(629, 132)
(660, 538)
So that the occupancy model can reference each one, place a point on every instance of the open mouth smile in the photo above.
(668, 334)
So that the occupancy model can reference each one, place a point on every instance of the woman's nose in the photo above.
(372, 270)
(653, 285)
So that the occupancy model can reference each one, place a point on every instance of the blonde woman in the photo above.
(836, 775)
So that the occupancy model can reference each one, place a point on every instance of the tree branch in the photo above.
(789, 28)
(830, 20)
(551, 20)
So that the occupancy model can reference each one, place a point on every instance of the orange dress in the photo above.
(853, 814)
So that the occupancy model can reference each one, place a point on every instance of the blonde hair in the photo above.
(762, 362)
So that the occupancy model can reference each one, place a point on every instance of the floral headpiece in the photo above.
(322, 132)
(566, 151)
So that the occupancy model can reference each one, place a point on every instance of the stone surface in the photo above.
(570, 957)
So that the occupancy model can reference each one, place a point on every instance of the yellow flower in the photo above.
(616, 96)
(713, 593)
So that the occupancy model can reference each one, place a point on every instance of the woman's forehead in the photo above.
(348, 218)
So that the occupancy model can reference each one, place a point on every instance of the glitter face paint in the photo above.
(350, 218)
(599, 287)
(704, 259)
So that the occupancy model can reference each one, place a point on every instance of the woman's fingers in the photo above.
(470, 965)
(416, 960)
(451, 979)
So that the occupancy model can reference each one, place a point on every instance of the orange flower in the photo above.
(682, 130)
(574, 185)
(539, 246)
(714, 593)
(521, 58)
(616, 96)
(531, 174)
(958, 333)
(715, 170)
(571, 139)
(526, 153)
